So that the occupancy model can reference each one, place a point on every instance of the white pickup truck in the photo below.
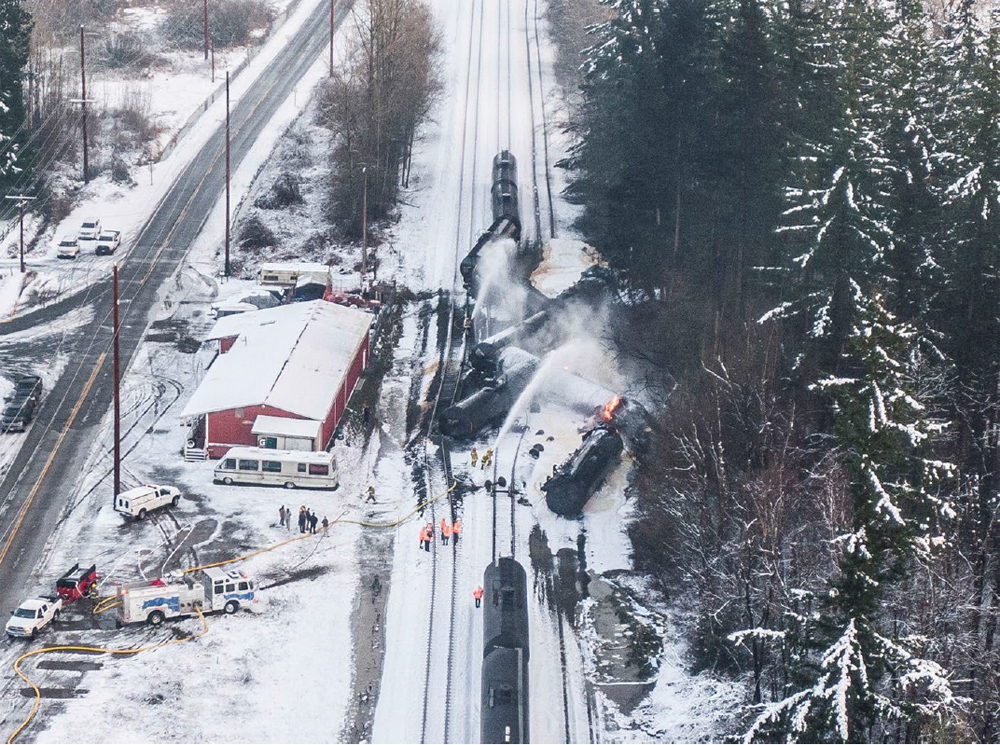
(139, 502)
(33, 615)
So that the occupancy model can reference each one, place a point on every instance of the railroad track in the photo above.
(539, 123)
(450, 364)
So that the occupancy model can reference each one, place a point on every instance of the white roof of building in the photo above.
(284, 427)
(247, 323)
(294, 358)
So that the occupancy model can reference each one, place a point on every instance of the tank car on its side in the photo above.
(502, 227)
(504, 709)
(569, 488)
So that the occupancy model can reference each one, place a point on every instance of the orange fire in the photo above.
(609, 408)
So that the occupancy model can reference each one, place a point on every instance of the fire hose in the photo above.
(97, 650)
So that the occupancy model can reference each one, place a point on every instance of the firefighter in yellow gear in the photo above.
(474, 456)
(487, 458)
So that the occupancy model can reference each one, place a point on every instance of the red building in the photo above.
(299, 361)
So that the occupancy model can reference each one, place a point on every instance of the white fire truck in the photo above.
(213, 590)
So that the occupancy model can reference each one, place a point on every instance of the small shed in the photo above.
(281, 433)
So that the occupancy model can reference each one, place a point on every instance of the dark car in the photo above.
(15, 418)
(22, 400)
(30, 386)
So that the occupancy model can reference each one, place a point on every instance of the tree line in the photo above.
(804, 197)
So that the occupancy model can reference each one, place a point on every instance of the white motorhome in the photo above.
(213, 590)
(287, 274)
(289, 468)
(138, 502)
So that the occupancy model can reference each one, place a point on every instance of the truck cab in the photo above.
(227, 590)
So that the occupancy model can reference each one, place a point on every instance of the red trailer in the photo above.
(76, 583)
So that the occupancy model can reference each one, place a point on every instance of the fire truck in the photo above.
(211, 591)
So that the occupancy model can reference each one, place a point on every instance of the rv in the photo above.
(289, 468)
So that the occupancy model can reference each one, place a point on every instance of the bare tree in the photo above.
(376, 104)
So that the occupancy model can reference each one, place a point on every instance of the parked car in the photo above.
(33, 615)
(108, 242)
(15, 418)
(29, 386)
(89, 230)
(142, 500)
(23, 401)
(68, 247)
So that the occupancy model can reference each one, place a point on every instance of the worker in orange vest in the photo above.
(478, 595)
(425, 539)
(445, 534)
(455, 527)
(443, 523)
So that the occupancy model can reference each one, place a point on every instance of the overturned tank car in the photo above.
(572, 484)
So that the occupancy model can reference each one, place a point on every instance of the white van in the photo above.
(288, 468)
(138, 502)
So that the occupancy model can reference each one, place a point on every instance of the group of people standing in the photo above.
(485, 461)
(308, 520)
(448, 531)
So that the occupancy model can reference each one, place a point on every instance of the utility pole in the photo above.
(364, 228)
(227, 173)
(21, 199)
(83, 102)
(205, 16)
(213, 60)
(117, 382)
(333, 6)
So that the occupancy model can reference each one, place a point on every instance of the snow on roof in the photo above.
(235, 325)
(298, 456)
(294, 358)
(285, 427)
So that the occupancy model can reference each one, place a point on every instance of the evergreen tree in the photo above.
(15, 37)
(861, 678)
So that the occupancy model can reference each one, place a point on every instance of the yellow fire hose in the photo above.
(98, 650)
(112, 601)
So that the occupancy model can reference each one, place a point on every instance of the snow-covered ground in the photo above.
(284, 671)
(179, 97)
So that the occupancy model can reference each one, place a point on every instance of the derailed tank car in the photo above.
(569, 488)
(504, 709)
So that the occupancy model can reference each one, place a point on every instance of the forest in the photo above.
(803, 200)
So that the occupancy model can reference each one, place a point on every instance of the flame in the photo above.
(609, 408)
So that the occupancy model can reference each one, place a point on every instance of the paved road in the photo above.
(44, 473)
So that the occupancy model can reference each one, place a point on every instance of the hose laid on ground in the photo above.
(98, 650)
(362, 523)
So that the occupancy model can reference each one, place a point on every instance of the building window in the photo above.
(238, 413)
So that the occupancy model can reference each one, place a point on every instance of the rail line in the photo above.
(447, 361)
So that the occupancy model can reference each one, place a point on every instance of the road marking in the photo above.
(52, 454)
